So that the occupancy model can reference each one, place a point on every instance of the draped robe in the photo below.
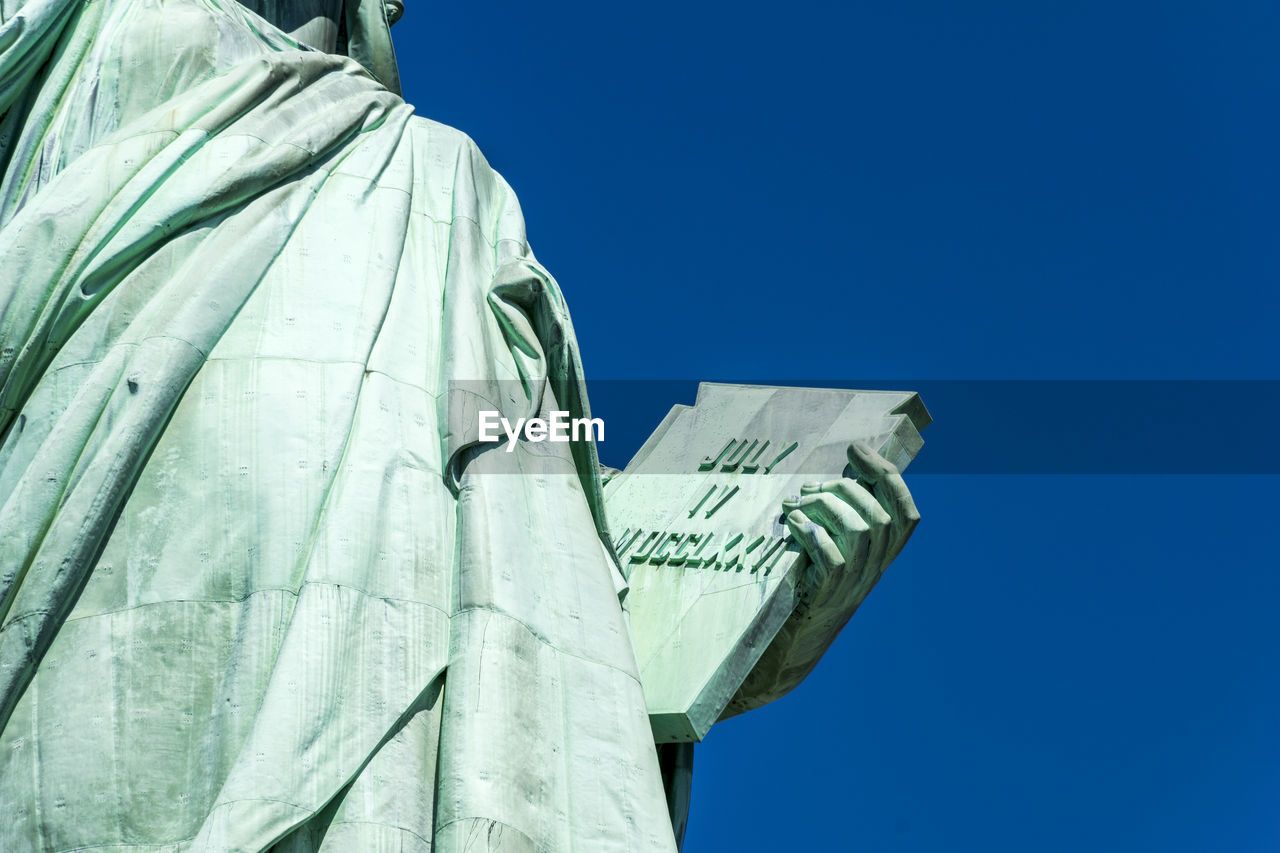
(260, 588)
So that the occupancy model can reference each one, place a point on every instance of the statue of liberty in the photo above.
(260, 588)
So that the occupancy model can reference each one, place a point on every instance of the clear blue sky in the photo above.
(995, 190)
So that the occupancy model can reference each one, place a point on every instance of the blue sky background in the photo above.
(930, 191)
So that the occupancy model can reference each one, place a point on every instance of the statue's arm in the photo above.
(851, 530)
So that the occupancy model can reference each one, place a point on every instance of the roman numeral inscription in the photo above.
(702, 550)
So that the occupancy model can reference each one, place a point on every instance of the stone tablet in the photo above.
(698, 520)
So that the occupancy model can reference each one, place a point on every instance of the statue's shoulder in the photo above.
(442, 134)
(454, 157)
(444, 141)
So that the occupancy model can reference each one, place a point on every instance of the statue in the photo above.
(262, 587)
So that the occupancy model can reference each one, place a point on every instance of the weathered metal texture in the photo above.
(698, 521)
(260, 585)
(256, 586)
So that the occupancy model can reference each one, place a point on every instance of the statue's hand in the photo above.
(851, 529)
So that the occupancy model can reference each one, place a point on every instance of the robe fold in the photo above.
(261, 587)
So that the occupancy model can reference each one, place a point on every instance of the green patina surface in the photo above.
(260, 585)
(714, 571)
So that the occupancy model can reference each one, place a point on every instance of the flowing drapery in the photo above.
(258, 584)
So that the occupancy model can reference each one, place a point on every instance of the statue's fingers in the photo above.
(849, 531)
(890, 491)
(896, 497)
(870, 466)
(878, 521)
(857, 496)
(818, 544)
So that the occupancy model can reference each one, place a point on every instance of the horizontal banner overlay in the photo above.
(1024, 426)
